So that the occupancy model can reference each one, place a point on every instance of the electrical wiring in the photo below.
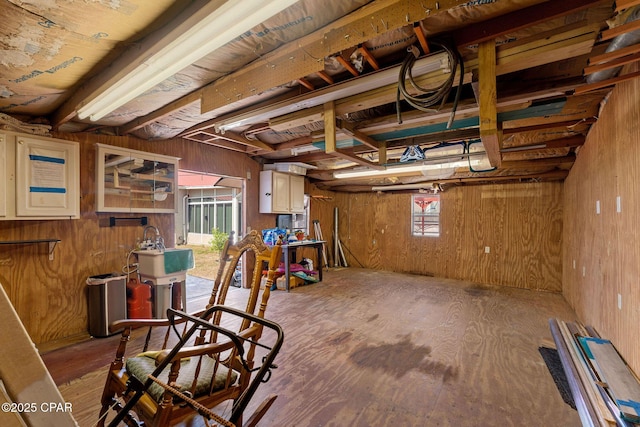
(467, 150)
(427, 98)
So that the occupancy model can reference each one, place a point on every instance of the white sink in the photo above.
(159, 264)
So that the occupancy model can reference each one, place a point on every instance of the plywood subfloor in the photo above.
(373, 348)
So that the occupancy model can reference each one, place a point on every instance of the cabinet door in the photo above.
(135, 181)
(296, 191)
(280, 192)
(47, 178)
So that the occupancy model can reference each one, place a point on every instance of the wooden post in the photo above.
(489, 132)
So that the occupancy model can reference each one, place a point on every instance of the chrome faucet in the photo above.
(150, 244)
(152, 227)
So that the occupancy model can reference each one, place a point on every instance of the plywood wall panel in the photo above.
(50, 296)
(605, 246)
(520, 223)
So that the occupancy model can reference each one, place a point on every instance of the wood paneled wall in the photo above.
(50, 296)
(602, 251)
(521, 224)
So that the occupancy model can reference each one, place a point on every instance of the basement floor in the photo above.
(374, 348)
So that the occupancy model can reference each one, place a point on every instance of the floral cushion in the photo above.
(141, 366)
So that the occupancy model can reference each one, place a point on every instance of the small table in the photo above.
(290, 249)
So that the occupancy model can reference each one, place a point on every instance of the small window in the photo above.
(425, 214)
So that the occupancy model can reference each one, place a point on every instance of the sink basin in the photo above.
(172, 261)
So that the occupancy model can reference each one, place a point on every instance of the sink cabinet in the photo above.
(281, 192)
(135, 181)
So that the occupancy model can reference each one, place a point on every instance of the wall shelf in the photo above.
(52, 244)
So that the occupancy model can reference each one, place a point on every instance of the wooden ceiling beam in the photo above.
(307, 52)
(422, 38)
(349, 129)
(347, 65)
(615, 54)
(326, 77)
(618, 62)
(330, 144)
(369, 57)
(626, 4)
(619, 30)
(306, 83)
(386, 94)
(490, 134)
(606, 83)
(519, 19)
(549, 125)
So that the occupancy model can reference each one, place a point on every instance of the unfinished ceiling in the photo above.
(462, 92)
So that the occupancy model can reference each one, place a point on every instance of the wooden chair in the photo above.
(205, 358)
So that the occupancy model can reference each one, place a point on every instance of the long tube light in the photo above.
(413, 167)
(431, 63)
(222, 25)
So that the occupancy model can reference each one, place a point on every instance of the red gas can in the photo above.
(138, 300)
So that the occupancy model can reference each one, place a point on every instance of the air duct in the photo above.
(617, 43)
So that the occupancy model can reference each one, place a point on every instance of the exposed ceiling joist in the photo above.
(305, 56)
(490, 134)
(519, 19)
(330, 128)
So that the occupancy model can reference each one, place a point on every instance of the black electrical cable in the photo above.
(427, 98)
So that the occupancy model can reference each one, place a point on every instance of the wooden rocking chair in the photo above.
(208, 361)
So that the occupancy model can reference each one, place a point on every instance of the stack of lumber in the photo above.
(605, 390)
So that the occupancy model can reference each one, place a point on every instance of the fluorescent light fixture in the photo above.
(183, 47)
(425, 168)
(434, 62)
(419, 186)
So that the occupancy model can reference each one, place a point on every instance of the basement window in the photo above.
(425, 214)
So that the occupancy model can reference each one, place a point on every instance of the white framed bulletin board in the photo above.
(47, 177)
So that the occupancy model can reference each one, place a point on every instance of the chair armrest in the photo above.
(142, 323)
(206, 349)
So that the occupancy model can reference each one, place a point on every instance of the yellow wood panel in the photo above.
(520, 223)
(601, 255)
(50, 296)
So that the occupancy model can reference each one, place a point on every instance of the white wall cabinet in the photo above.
(41, 177)
(281, 193)
(135, 181)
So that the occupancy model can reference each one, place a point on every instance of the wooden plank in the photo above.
(330, 144)
(619, 62)
(625, 4)
(347, 65)
(599, 409)
(422, 38)
(519, 19)
(306, 83)
(302, 57)
(612, 370)
(326, 77)
(546, 47)
(25, 378)
(489, 133)
(605, 83)
(578, 388)
(605, 57)
(619, 30)
(369, 57)
(350, 130)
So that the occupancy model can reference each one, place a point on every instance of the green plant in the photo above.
(218, 239)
